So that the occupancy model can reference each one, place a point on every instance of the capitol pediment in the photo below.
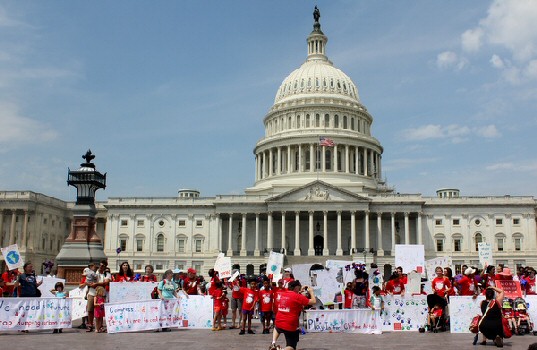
(318, 191)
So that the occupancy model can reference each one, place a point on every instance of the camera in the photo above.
(305, 292)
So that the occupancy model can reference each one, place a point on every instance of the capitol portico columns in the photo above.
(407, 229)
(326, 251)
(256, 248)
(270, 231)
(380, 251)
(311, 250)
(243, 236)
(230, 236)
(339, 250)
(297, 234)
(24, 230)
(12, 227)
(283, 232)
(366, 224)
(420, 233)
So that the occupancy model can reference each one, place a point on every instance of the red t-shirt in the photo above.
(212, 288)
(217, 296)
(191, 286)
(440, 284)
(530, 286)
(236, 290)
(395, 287)
(124, 278)
(225, 305)
(404, 279)
(348, 299)
(276, 298)
(289, 308)
(467, 286)
(9, 277)
(265, 298)
(249, 298)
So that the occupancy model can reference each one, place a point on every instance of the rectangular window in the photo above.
(182, 223)
(53, 223)
(456, 222)
(197, 266)
(516, 221)
(180, 265)
(518, 244)
(499, 221)
(198, 245)
(124, 222)
(199, 223)
(159, 265)
(139, 245)
(457, 245)
(45, 221)
(140, 223)
(499, 242)
(438, 222)
(181, 246)
(123, 244)
(138, 265)
(439, 245)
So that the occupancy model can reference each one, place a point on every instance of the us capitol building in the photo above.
(313, 199)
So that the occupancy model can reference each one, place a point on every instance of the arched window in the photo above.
(317, 120)
(339, 161)
(478, 238)
(344, 122)
(160, 242)
(336, 121)
(352, 124)
(307, 160)
(298, 121)
(307, 120)
(328, 159)
(326, 121)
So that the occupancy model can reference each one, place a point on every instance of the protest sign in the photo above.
(344, 321)
(48, 285)
(485, 254)
(79, 303)
(410, 257)
(274, 265)
(34, 313)
(197, 312)
(124, 291)
(461, 311)
(12, 257)
(511, 289)
(432, 264)
(408, 313)
(223, 266)
(235, 275)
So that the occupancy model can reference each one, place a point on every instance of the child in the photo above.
(225, 307)
(248, 305)
(266, 300)
(349, 295)
(521, 315)
(217, 294)
(100, 298)
(434, 314)
(376, 301)
(59, 293)
(509, 314)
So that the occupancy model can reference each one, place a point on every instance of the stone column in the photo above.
(297, 233)
(300, 158)
(353, 231)
(420, 232)
(311, 249)
(357, 160)
(313, 158)
(288, 159)
(279, 163)
(335, 160)
(380, 251)
(393, 234)
(230, 236)
(256, 249)
(366, 166)
(243, 236)
(339, 250)
(270, 232)
(263, 171)
(347, 160)
(25, 230)
(407, 229)
(219, 231)
(12, 238)
(366, 224)
(283, 232)
(326, 250)
(323, 158)
(271, 162)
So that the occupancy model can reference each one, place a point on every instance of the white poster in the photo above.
(134, 316)
(274, 265)
(414, 283)
(301, 272)
(48, 285)
(197, 312)
(12, 257)
(223, 266)
(432, 264)
(344, 321)
(34, 313)
(407, 313)
(461, 311)
(485, 254)
(327, 285)
(79, 303)
(346, 272)
(410, 257)
(130, 291)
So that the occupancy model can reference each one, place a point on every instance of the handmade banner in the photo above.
(346, 272)
(461, 311)
(223, 266)
(125, 291)
(344, 321)
(485, 254)
(327, 285)
(511, 289)
(48, 285)
(34, 313)
(301, 272)
(408, 313)
(12, 257)
(274, 265)
(79, 303)
(143, 315)
(411, 257)
(197, 312)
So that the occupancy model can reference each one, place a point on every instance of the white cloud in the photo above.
(489, 131)
(455, 133)
(7, 21)
(524, 166)
(449, 59)
(497, 62)
(19, 130)
(471, 39)
(531, 69)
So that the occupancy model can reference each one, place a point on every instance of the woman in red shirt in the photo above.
(395, 286)
(125, 273)
(441, 284)
(149, 276)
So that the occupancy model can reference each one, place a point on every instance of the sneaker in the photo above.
(251, 332)
(272, 347)
(241, 332)
(498, 342)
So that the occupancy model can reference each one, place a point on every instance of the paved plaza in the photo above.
(73, 339)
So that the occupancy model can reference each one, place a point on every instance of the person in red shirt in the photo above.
(214, 279)
(403, 277)
(236, 302)
(191, 285)
(488, 278)
(467, 285)
(530, 283)
(290, 306)
(265, 297)
(9, 278)
(217, 295)
(149, 276)
(125, 273)
(276, 290)
(287, 277)
(248, 304)
(395, 286)
(349, 295)
(225, 307)
(441, 284)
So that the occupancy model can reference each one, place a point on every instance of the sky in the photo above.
(172, 94)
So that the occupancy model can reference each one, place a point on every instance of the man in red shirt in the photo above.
(467, 285)
(289, 308)
(248, 304)
(266, 301)
(530, 282)
(191, 285)
(395, 286)
(9, 278)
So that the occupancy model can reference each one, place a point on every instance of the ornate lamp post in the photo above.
(83, 244)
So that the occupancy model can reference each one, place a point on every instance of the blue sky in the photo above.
(172, 94)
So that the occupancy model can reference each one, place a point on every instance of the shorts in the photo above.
(236, 304)
(291, 337)
(267, 314)
(247, 312)
(217, 309)
(91, 307)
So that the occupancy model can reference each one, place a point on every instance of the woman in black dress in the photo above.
(491, 324)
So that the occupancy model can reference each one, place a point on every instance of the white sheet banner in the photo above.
(34, 313)
(12, 257)
(274, 265)
(404, 313)
(130, 291)
(411, 257)
(344, 321)
(143, 315)
(197, 312)
(485, 254)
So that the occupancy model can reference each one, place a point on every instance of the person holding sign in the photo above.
(167, 290)
(27, 283)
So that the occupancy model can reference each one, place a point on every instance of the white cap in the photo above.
(287, 269)
(469, 271)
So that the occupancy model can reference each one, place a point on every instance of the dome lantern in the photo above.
(317, 40)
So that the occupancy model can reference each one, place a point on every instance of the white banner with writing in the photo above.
(485, 254)
(127, 291)
(344, 321)
(223, 266)
(34, 313)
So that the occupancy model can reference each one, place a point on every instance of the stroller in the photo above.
(437, 320)
(524, 323)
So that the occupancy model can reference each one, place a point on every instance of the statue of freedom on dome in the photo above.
(316, 14)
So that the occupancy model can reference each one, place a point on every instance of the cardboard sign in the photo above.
(12, 257)
(485, 254)
(410, 257)
(511, 289)
(223, 266)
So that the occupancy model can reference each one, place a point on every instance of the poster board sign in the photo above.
(485, 254)
(432, 264)
(406, 314)
(344, 321)
(511, 289)
(274, 265)
(410, 257)
(48, 285)
(34, 313)
(327, 285)
(12, 257)
(461, 311)
(197, 312)
(414, 283)
(127, 291)
(79, 303)
(223, 266)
